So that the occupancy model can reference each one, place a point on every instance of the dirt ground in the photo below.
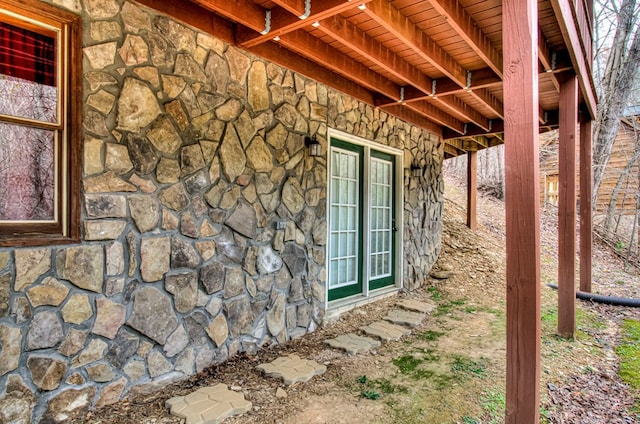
(452, 368)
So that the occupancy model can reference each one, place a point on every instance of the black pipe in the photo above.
(607, 300)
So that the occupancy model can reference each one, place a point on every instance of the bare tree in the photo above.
(619, 77)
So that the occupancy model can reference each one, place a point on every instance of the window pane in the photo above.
(27, 170)
(27, 74)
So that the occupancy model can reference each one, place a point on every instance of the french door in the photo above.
(361, 219)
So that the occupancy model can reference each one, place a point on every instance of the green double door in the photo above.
(361, 220)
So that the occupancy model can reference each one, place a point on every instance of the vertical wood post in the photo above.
(472, 192)
(586, 217)
(568, 122)
(522, 203)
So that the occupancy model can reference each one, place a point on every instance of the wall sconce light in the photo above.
(313, 145)
(416, 171)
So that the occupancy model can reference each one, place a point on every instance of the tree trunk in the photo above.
(620, 75)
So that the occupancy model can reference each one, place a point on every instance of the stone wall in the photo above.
(193, 153)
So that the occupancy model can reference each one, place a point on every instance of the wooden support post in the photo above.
(472, 192)
(522, 203)
(586, 184)
(567, 206)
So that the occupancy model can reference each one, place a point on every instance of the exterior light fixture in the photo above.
(313, 145)
(416, 171)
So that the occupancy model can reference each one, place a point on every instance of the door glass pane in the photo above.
(343, 254)
(380, 218)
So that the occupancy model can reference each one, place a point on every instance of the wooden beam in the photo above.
(390, 18)
(194, 15)
(565, 12)
(586, 223)
(522, 203)
(547, 59)
(282, 22)
(496, 127)
(437, 115)
(470, 32)
(348, 34)
(296, 63)
(313, 48)
(472, 189)
(414, 118)
(296, 7)
(244, 12)
(567, 206)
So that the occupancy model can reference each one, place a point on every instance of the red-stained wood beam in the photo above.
(565, 12)
(586, 218)
(282, 22)
(567, 206)
(472, 189)
(296, 7)
(296, 63)
(390, 18)
(194, 15)
(414, 118)
(312, 48)
(546, 57)
(470, 32)
(244, 12)
(496, 127)
(348, 34)
(437, 115)
(522, 203)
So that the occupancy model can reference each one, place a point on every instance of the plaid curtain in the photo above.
(26, 54)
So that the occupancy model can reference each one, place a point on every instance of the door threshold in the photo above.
(336, 308)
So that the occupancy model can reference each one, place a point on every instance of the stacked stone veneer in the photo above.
(204, 221)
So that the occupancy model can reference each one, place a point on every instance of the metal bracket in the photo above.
(307, 10)
(553, 61)
(468, 80)
(433, 88)
(464, 129)
(546, 117)
(401, 95)
(490, 124)
(267, 23)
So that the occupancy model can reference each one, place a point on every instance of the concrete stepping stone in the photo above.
(292, 369)
(385, 330)
(352, 343)
(416, 305)
(402, 317)
(208, 405)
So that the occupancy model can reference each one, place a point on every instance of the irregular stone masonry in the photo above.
(292, 369)
(208, 405)
(352, 343)
(193, 152)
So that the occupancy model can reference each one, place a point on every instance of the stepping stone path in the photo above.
(292, 369)
(208, 405)
(416, 306)
(353, 343)
(398, 316)
(215, 403)
(385, 330)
